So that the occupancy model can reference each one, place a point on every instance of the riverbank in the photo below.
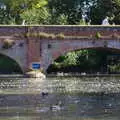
(82, 75)
(58, 75)
(28, 75)
(12, 76)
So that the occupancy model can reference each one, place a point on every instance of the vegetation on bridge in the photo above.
(43, 35)
(8, 44)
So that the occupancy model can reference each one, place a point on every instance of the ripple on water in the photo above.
(81, 98)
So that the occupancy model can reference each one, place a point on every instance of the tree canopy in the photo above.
(102, 8)
(58, 11)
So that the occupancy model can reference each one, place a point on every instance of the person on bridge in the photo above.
(105, 21)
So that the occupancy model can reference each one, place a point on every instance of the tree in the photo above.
(22, 9)
(37, 13)
(36, 16)
(102, 8)
(72, 9)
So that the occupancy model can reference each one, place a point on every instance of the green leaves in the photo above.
(60, 12)
(103, 8)
(32, 11)
(36, 16)
(41, 3)
(82, 60)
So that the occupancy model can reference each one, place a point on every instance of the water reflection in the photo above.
(60, 98)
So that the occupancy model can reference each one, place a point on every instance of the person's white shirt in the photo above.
(23, 23)
(105, 21)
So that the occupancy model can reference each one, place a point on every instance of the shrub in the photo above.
(60, 36)
(27, 34)
(8, 44)
(35, 34)
(43, 35)
(97, 35)
(52, 36)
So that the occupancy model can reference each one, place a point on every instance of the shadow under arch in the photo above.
(108, 50)
(9, 65)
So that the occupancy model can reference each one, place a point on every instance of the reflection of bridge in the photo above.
(45, 43)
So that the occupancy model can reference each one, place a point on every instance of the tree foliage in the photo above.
(73, 9)
(36, 16)
(102, 8)
(58, 11)
(82, 61)
(33, 10)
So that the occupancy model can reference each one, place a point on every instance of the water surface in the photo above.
(65, 98)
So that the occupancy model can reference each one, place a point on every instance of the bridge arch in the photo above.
(90, 63)
(60, 48)
(9, 65)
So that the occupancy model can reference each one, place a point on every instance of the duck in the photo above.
(56, 107)
(44, 109)
(44, 94)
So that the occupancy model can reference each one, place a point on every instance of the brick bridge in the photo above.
(44, 44)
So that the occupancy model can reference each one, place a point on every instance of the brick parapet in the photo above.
(67, 30)
(76, 30)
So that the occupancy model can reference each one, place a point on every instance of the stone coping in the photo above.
(60, 25)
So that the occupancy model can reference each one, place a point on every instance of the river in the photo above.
(60, 98)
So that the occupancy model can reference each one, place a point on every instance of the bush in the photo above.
(97, 35)
(60, 36)
(8, 44)
(52, 36)
(114, 68)
(35, 34)
(27, 34)
(43, 35)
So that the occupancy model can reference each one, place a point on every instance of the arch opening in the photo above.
(9, 66)
(91, 61)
